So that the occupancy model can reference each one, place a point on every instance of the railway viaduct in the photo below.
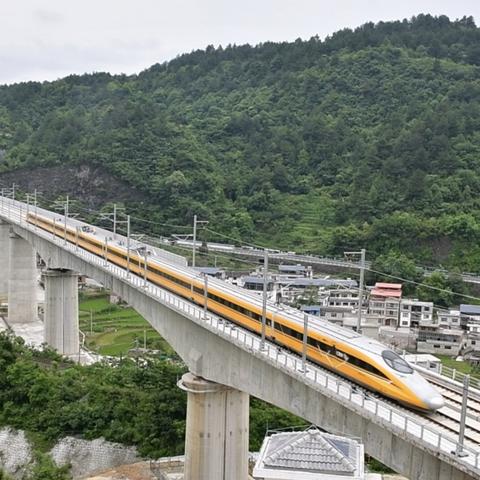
(226, 365)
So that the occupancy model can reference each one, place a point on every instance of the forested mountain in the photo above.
(368, 138)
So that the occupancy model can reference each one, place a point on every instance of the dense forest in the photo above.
(370, 137)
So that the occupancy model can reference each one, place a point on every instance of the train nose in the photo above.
(436, 402)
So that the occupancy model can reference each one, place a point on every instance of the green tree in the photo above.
(436, 288)
(45, 469)
(395, 266)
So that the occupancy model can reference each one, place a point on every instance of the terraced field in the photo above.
(308, 229)
(116, 329)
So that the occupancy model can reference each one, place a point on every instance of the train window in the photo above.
(342, 355)
(365, 366)
(288, 331)
(396, 362)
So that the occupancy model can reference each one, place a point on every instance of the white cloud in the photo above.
(47, 16)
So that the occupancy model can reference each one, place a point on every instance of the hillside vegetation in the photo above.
(131, 402)
(368, 138)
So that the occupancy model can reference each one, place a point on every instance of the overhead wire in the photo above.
(236, 240)
(212, 254)
(426, 285)
(357, 289)
(43, 203)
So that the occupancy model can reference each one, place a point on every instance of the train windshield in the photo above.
(396, 362)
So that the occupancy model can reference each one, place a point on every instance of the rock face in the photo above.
(15, 452)
(94, 185)
(85, 457)
(89, 457)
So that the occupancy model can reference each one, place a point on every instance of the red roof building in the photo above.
(386, 290)
(384, 303)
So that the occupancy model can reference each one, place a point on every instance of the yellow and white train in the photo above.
(363, 360)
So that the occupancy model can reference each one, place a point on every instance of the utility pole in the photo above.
(35, 206)
(361, 287)
(11, 196)
(360, 292)
(195, 223)
(114, 221)
(105, 251)
(65, 215)
(194, 239)
(463, 415)
(113, 218)
(128, 245)
(145, 267)
(8, 193)
(264, 300)
(305, 340)
(205, 297)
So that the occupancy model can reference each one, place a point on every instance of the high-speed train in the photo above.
(363, 360)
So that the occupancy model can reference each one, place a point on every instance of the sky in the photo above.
(50, 39)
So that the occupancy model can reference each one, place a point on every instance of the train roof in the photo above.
(319, 325)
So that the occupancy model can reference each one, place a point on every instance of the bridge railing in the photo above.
(308, 373)
(445, 371)
(457, 375)
(324, 382)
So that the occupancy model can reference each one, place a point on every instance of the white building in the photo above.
(424, 360)
(473, 328)
(402, 338)
(413, 312)
(309, 455)
(346, 297)
(384, 304)
(449, 319)
(436, 340)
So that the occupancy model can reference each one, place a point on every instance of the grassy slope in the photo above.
(116, 329)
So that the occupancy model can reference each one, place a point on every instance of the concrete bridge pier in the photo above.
(216, 439)
(22, 281)
(4, 260)
(61, 311)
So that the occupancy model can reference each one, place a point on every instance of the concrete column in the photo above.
(4, 260)
(216, 439)
(61, 311)
(22, 281)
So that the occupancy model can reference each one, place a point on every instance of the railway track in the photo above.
(446, 420)
(455, 399)
(448, 417)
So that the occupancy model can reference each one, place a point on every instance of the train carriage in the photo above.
(363, 360)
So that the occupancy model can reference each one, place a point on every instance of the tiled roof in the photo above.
(396, 286)
(385, 292)
(311, 451)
